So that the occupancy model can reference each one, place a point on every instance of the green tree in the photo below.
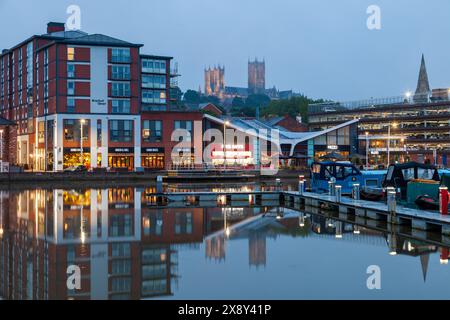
(296, 106)
(255, 100)
(238, 102)
(191, 96)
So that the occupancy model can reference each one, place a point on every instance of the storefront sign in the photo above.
(333, 147)
(152, 150)
(76, 150)
(183, 150)
(121, 150)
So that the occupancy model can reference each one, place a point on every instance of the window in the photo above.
(70, 70)
(121, 55)
(120, 106)
(154, 107)
(70, 54)
(151, 287)
(121, 250)
(120, 90)
(121, 284)
(41, 132)
(120, 225)
(72, 130)
(184, 125)
(153, 96)
(152, 223)
(154, 81)
(70, 105)
(70, 88)
(120, 72)
(153, 66)
(152, 130)
(153, 255)
(154, 271)
(121, 130)
(183, 223)
(121, 267)
(99, 132)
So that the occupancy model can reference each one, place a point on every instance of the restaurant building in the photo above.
(88, 99)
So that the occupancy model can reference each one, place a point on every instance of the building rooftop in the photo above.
(258, 127)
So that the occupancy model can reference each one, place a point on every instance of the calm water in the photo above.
(126, 248)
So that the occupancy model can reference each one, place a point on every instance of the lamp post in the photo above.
(408, 96)
(367, 150)
(225, 124)
(82, 121)
(389, 142)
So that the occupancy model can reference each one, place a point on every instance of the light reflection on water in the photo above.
(129, 249)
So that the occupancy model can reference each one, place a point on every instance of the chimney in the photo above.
(55, 27)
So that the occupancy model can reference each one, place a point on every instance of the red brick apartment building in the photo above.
(89, 99)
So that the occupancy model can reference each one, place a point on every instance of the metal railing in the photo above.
(337, 106)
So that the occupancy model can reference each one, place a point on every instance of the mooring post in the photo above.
(159, 184)
(443, 200)
(301, 184)
(392, 204)
(331, 188)
(356, 191)
(301, 219)
(278, 184)
(301, 187)
(338, 193)
(444, 256)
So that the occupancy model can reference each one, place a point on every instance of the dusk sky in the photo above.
(321, 48)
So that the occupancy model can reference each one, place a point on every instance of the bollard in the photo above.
(301, 220)
(331, 188)
(338, 193)
(356, 192)
(301, 187)
(159, 184)
(444, 256)
(443, 200)
(391, 202)
(389, 189)
(278, 184)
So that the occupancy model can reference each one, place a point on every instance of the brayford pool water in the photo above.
(126, 247)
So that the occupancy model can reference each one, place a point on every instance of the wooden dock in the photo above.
(421, 220)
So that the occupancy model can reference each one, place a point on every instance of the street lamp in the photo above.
(408, 95)
(389, 141)
(82, 122)
(367, 150)
(225, 124)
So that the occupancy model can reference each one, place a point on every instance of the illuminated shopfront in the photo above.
(183, 157)
(235, 155)
(121, 158)
(74, 157)
(153, 158)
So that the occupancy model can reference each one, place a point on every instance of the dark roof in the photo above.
(273, 121)
(152, 56)
(413, 164)
(99, 39)
(6, 122)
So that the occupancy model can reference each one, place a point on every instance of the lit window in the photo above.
(70, 54)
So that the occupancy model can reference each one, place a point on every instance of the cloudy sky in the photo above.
(322, 48)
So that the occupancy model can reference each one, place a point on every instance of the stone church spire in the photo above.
(423, 86)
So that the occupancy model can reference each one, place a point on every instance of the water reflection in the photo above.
(127, 247)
